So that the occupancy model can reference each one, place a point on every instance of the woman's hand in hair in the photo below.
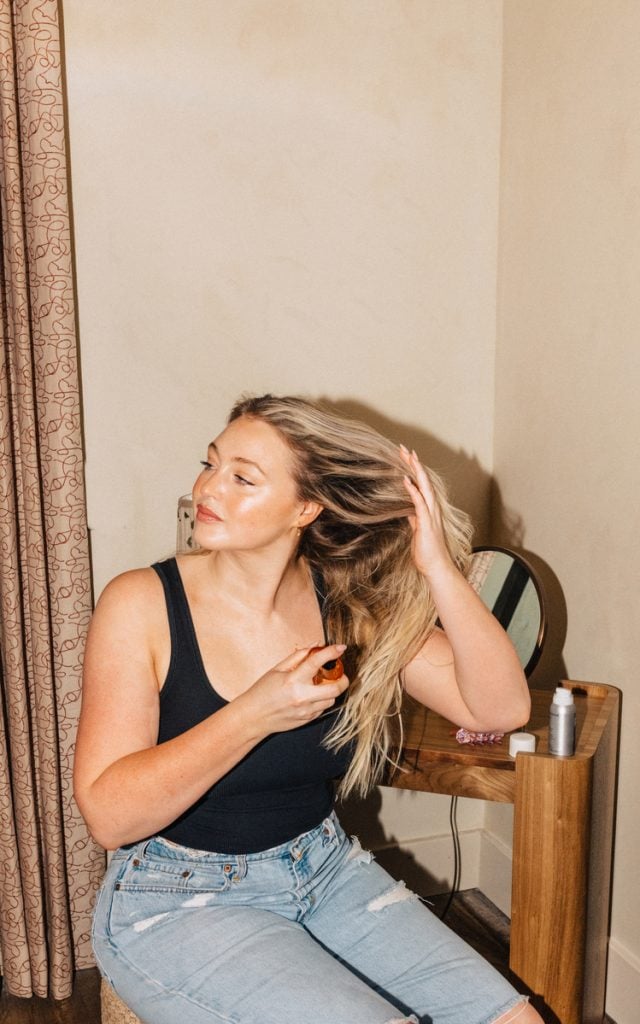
(429, 547)
(470, 673)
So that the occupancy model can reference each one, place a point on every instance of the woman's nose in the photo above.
(211, 482)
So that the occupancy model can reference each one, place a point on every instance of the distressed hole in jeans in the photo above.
(396, 894)
(141, 926)
(357, 853)
(403, 1020)
(201, 899)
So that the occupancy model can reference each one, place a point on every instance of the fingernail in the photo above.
(341, 647)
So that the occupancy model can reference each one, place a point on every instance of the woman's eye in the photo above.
(207, 465)
(243, 481)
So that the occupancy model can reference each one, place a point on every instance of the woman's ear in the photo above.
(310, 511)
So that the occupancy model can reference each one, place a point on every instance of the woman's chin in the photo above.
(208, 536)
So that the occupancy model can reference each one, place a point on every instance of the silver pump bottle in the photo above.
(562, 723)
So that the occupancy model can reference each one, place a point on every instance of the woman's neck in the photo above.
(262, 584)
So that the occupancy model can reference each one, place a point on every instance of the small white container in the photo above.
(518, 741)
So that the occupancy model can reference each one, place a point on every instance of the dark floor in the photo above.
(471, 915)
(82, 1008)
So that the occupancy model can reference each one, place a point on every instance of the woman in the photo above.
(207, 752)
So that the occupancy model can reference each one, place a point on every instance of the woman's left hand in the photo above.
(429, 546)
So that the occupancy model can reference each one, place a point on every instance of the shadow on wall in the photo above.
(473, 489)
(507, 531)
(469, 485)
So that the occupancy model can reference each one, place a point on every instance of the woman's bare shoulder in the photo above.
(132, 583)
(135, 596)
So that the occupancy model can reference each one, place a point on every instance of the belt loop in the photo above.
(329, 828)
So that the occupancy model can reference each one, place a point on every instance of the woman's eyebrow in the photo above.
(238, 458)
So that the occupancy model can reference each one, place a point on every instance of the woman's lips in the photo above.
(205, 515)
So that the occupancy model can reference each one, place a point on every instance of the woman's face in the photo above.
(245, 498)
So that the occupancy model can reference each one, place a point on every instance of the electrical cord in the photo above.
(453, 821)
(457, 860)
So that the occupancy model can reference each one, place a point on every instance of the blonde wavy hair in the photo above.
(375, 599)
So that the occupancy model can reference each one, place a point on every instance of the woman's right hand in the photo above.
(286, 697)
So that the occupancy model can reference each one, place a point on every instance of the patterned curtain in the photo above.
(49, 867)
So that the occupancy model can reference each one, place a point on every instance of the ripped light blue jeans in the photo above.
(312, 931)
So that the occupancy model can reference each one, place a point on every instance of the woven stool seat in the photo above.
(113, 1010)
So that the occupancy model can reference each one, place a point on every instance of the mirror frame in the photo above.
(535, 579)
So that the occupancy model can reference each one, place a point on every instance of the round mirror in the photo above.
(510, 589)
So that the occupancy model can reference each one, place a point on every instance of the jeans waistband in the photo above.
(328, 828)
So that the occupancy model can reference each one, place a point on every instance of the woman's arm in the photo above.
(126, 785)
(469, 671)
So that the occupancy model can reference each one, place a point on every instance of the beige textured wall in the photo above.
(568, 361)
(286, 196)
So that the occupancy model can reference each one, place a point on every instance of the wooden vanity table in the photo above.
(562, 843)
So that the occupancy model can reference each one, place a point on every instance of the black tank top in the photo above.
(279, 789)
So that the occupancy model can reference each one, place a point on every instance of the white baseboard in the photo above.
(495, 870)
(623, 984)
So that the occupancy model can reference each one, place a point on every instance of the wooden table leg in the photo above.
(550, 879)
